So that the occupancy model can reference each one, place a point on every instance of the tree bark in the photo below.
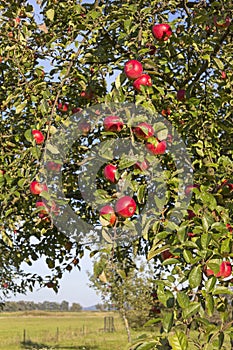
(126, 325)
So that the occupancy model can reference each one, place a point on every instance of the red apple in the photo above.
(162, 31)
(143, 80)
(38, 136)
(208, 272)
(189, 188)
(110, 172)
(125, 207)
(166, 112)
(2, 172)
(87, 94)
(142, 165)
(191, 214)
(17, 20)
(222, 23)
(37, 188)
(156, 147)
(143, 131)
(166, 254)
(63, 107)
(180, 95)
(225, 270)
(223, 75)
(53, 166)
(133, 69)
(155, 309)
(54, 209)
(85, 127)
(42, 207)
(191, 234)
(108, 214)
(113, 123)
(227, 187)
(76, 110)
(229, 227)
(152, 48)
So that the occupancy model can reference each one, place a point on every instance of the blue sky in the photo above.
(73, 286)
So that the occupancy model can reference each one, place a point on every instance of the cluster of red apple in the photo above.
(126, 206)
(37, 188)
(134, 69)
(225, 268)
(143, 131)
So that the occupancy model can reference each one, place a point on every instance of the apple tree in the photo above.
(70, 73)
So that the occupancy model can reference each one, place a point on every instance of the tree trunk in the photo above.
(126, 325)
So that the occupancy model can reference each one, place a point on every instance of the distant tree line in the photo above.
(11, 306)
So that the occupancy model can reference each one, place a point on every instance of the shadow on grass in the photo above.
(30, 345)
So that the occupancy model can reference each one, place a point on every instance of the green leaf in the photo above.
(6, 239)
(222, 290)
(106, 236)
(209, 303)
(153, 252)
(50, 14)
(205, 223)
(214, 264)
(167, 321)
(35, 151)
(20, 107)
(220, 340)
(178, 341)
(95, 14)
(165, 297)
(118, 81)
(160, 202)
(219, 63)
(226, 245)
(191, 310)
(127, 24)
(127, 162)
(205, 240)
(187, 254)
(195, 277)
(52, 149)
(183, 299)
(21, 183)
(141, 193)
(153, 321)
(28, 135)
(145, 346)
(210, 284)
(209, 199)
(162, 134)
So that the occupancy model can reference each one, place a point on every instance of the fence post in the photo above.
(24, 336)
(57, 336)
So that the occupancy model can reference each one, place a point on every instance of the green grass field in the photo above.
(64, 330)
(60, 331)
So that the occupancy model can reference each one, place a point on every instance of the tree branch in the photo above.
(205, 64)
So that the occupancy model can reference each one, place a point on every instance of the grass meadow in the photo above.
(66, 330)
(54, 330)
